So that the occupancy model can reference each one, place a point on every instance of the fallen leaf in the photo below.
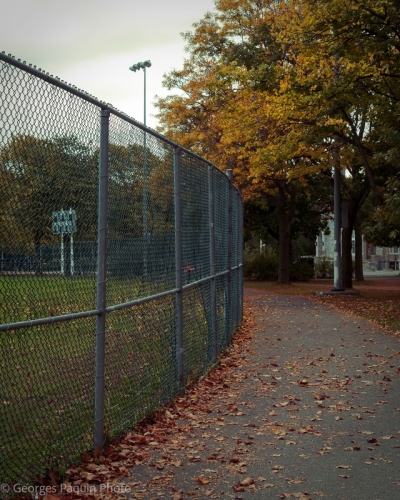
(247, 482)
(202, 480)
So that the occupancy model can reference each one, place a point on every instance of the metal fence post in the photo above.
(241, 246)
(213, 261)
(229, 174)
(237, 259)
(178, 269)
(101, 281)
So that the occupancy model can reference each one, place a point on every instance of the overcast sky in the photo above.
(92, 43)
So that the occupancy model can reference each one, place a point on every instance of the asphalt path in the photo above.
(307, 405)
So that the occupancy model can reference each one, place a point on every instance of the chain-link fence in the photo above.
(120, 270)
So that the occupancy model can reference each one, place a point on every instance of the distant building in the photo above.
(374, 258)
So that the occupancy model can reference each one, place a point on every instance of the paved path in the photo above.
(307, 406)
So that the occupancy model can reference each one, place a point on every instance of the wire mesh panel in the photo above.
(197, 331)
(46, 381)
(111, 320)
(195, 219)
(140, 214)
(140, 362)
(48, 189)
(222, 312)
(234, 278)
(48, 192)
(221, 184)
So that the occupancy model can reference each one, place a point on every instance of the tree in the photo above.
(381, 227)
(341, 79)
(41, 176)
(227, 110)
(273, 88)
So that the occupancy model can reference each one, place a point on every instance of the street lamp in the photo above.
(136, 67)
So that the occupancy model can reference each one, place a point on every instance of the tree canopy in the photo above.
(270, 89)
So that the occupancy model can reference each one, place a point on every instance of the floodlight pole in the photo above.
(135, 67)
(144, 181)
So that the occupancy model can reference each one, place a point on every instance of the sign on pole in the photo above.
(64, 222)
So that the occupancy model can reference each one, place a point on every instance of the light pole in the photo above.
(136, 67)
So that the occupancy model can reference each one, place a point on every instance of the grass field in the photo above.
(47, 372)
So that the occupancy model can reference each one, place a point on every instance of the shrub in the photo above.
(260, 266)
(323, 267)
(301, 270)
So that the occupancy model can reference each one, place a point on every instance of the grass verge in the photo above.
(379, 299)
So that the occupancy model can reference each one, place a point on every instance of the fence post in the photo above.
(241, 256)
(178, 269)
(212, 261)
(101, 281)
(229, 174)
(237, 259)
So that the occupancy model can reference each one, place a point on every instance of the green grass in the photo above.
(47, 372)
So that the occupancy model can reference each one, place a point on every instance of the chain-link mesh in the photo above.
(234, 275)
(159, 283)
(195, 219)
(140, 362)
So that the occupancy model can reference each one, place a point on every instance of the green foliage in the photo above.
(381, 225)
(323, 267)
(264, 266)
(301, 270)
(260, 266)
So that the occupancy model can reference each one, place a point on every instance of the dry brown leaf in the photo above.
(202, 480)
(247, 482)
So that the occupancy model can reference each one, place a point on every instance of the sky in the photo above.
(92, 43)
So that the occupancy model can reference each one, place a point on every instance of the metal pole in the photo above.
(144, 185)
(337, 259)
(62, 254)
(229, 173)
(72, 254)
(178, 269)
(213, 262)
(101, 281)
(237, 258)
(241, 256)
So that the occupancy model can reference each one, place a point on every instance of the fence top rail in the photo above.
(39, 73)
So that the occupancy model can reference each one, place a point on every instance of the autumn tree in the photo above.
(226, 109)
(273, 89)
(342, 81)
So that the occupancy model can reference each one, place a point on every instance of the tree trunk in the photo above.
(283, 248)
(359, 259)
(347, 269)
(285, 214)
